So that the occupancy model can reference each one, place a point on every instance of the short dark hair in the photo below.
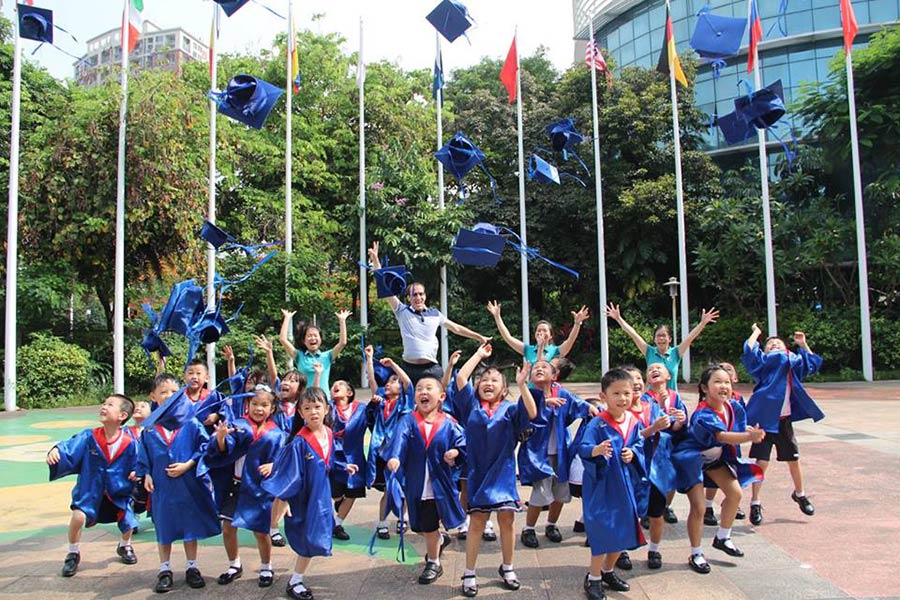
(564, 368)
(126, 404)
(430, 376)
(162, 378)
(614, 375)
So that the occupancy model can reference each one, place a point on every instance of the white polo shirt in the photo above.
(418, 330)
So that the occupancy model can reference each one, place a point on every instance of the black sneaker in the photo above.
(70, 564)
(278, 540)
(194, 578)
(756, 514)
(709, 517)
(529, 538)
(740, 515)
(430, 573)
(645, 522)
(654, 560)
(727, 546)
(340, 534)
(126, 553)
(670, 516)
(614, 582)
(594, 589)
(805, 505)
(303, 593)
(163, 582)
(578, 527)
(553, 534)
(624, 562)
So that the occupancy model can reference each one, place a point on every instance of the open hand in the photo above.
(613, 312)
(709, 316)
(265, 469)
(581, 316)
(288, 314)
(264, 343)
(178, 469)
(342, 315)
(53, 456)
(493, 307)
(227, 352)
(603, 449)
(756, 434)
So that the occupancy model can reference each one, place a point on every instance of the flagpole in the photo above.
(523, 260)
(363, 282)
(679, 200)
(771, 318)
(598, 193)
(865, 325)
(439, 98)
(119, 291)
(211, 208)
(12, 230)
(288, 158)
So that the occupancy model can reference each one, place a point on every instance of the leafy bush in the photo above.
(52, 372)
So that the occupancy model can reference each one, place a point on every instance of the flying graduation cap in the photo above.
(35, 23)
(231, 6)
(451, 19)
(459, 156)
(716, 38)
(173, 413)
(247, 99)
(391, 280)
(758, 110)
(480, 246)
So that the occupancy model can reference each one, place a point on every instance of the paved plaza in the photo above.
(849, 549)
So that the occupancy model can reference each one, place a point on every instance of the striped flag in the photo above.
(848, 24)
(135, 23)
(668, 57)
(295, 59)
(594, 59)
(756, 34)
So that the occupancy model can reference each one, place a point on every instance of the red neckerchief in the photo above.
(554, 390)
(167, 437)
(643, 414)
(345, 414)
(726, 416)
(134, 431)
(486, 407)
(313, 442)
(100, 438)
(435, 425)
(388, 407)
(204, 392)
(629, 423)
(673, 395)
(261, 429)
(289, 408)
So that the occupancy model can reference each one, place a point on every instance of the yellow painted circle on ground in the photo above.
(14, 440)
(35, 452)
(72, 424)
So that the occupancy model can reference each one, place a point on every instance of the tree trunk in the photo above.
(103, 297)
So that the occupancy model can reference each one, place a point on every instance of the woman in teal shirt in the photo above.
(309, 353)
(543, 335)
(663, 352)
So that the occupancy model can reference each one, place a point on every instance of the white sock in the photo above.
(379, 524)
(594, 578)
(604, 571)
(165, 566)
(549, 523)
(799, 494)
(436, 561)
(236, 563)
(190, 564)
(265, 567)
(696, 551)
(506, 567)
(273, 531)
(74, 548)
(338, 521)
(755, 503)
(709, 503)
(652, 547)
(488, 526)
(295, 579)
(469, 573)
(528, 528)
(723, 534)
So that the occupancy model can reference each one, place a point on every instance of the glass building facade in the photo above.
(631, 32)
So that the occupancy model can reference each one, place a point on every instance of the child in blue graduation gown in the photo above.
(610, 443)
(300, 478)
(388, 404)
(709, 515)
(544, 459)
(492, 426)
(181, 497)
(249, 446)
(104, 459)
(779, 400)
(139, 495)
(426, 445)
(349, 422)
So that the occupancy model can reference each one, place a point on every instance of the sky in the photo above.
(393, 30)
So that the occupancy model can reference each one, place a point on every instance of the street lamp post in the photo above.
(673, 286)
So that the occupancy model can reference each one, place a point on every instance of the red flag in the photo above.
(756, 34)
(848, 24)
(509, 71)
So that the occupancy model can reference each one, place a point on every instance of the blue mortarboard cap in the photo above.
(541, 171)
(382, 373)
(734, 128)
(459, 155)
(183, 308)
(216, 403)
(393, 490)
(35, 23)
(391, 281)
(247, 99)
(211, 326)
(480, 246)
(153, 343)
(451, 19)
(215, 235)
(763, 107)
(717, 37)
(173, 413)
(563, 136)
(231, 6)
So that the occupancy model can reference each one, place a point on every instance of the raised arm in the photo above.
(527, 399)
(706, 317)
(460, 330)
(754, 335)
(579, 318)
(376, 264)
(228, 353)
(613, 312)
(283, 334)
(462, 376)
(370, 369)
(405, 381)
(516, 344)
(264, 344)
(342, 340)
(448, 372)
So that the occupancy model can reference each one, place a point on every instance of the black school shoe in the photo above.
(230, 575)
(70, 564)
(278, 540)
(383, 533)
(594, 589)
(126, 554)
(756, 514)
(163, 582)
(614, 582)
(430, 573)
(654, 560)
(553, 533)
(529, 538)
(740, 515)
(645, 522)
(445, 541)
(805, 505)
(578, 527)
(194, 578)
(340, 533)
(624, 562)
(727, 546)
(509, 579)
(709, 517)
(306, 594)
(266, 577)
(669, 516)
(699, 567)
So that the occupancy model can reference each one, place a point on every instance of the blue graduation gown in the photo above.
(649, 412)
(413, 450)
(349, 445)
(183, 507)
(300, 477)
(258, 445)
(284, 417)
(490, 446)
(100, 475)
(383, 424)
(534, 463)
(772, 373)
(611, 516)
